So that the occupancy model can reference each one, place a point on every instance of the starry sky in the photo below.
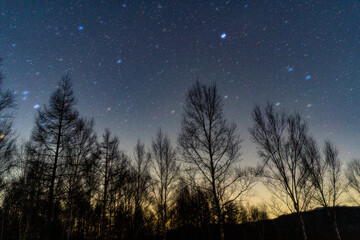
(132, 61)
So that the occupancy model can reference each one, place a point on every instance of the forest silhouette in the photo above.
(66, 182)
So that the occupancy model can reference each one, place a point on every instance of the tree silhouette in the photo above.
(192, 209)
(79, 157)
(65, 184)
(7, 139)
(142, 181)
(165, 172)
(210, 146)
(325, 175)
(55, 125)
(281, 140)
(353, 177)
(110, 158)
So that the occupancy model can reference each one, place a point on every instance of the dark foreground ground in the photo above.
(317, 225)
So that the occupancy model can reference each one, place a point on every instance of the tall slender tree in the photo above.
(353, 177)
(210, 145)
(79, 154)
(282, 140)
(326, 177)
(110, 157)
(7, 139)
(142, 183)
(55, 125)
(165, 170)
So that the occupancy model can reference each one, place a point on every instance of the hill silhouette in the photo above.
(285, 227)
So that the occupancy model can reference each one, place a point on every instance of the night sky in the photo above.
(132, 61)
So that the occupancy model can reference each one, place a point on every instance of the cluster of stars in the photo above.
(148, 54)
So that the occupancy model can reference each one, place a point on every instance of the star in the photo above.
(81, 28)
(307, 77)
(119, 61)
(223, 35)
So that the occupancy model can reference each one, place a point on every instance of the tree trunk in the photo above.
(220, 217)
(337, 231)
(164, 220)
(302, 227)
(53, 178)
(20, 225)
(222, 233)
(105, 195)
(336, 228)
(68, 235)
(219, 213)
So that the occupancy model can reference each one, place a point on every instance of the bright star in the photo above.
(223, 36)
(36, 106)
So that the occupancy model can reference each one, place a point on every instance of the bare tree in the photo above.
(210, 145)
(353, 177)
(25, 195)
(79, 153)
(326, 178)
(281, 140)
(142, 161)
(165, 171)
(7, 139)
(54, 125)
(110, 158)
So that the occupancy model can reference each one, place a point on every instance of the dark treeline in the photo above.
(66, 182)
